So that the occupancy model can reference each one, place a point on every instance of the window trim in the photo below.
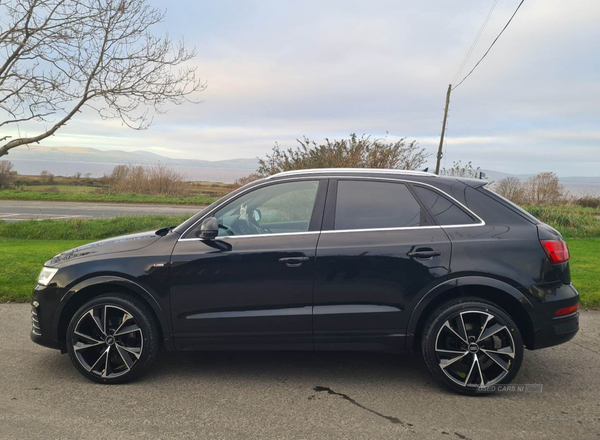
(331, 191)
(314, 222)
(332, 204)
(329, 215)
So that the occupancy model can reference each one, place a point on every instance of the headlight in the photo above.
(46, 275)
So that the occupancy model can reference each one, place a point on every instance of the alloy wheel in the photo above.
(107, 341)
(475, 349)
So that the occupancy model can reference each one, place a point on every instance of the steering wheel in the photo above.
(227, 229)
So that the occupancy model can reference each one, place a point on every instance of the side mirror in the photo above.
(209, 228)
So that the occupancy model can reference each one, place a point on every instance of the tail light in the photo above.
(557, 250)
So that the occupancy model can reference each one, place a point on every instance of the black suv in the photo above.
(324, 259)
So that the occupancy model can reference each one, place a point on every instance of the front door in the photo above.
(378, 249)
(251, 287)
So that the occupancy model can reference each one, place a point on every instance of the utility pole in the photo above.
(439, 154)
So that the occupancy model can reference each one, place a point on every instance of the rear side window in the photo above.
(371, 205)
(444, 211)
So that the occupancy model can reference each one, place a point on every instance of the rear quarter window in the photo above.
(444, 211)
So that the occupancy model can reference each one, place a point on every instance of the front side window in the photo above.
(278, 208)
(373, 205)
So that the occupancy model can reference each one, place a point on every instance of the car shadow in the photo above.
(288, 366)
(406, 372)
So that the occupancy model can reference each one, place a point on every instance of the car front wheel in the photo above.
(113, 338)
(471, 345)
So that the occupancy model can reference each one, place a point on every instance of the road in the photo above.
(291, 395)
(17, 210)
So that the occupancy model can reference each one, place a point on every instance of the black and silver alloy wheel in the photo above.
(107, 341)
(112, 338)
(474, 350)
(471, 345)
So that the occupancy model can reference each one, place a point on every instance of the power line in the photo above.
(485, 22)
(490, 48)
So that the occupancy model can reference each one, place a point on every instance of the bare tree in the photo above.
(6, 173)
(544, 189)
(355, 152)
(511, 188)
(59, 56)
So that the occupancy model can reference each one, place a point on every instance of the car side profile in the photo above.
(323, 259)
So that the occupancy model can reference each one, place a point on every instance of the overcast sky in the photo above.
(278, 70)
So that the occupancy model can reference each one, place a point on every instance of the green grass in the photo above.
(21, 262)
(80, 229)
(585, 269)
(571, 220)
(85, 194)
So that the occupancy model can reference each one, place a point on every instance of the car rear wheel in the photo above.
(471, 345)
(113, 338)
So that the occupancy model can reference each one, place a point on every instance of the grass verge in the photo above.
(584, 265)
(571, 220)
(86, 229)
(21, 261)
(95, 197)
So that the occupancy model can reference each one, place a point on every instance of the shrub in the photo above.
(460, 170)
(355, 152)
(511, 188)
(47, 177)
(155, 180)
(544, 189)
(588, 202)
(245, 180)
(6, 173)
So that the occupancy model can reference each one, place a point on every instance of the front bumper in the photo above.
(43, 306)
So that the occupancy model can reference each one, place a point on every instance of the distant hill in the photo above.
(93, 155)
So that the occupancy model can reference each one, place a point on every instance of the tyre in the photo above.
(113, 338)
(470, 345)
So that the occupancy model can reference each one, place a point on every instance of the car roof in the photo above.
(337, 171)
(420, 176)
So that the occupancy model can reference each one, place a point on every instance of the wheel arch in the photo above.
(499, 292)
(90, 288)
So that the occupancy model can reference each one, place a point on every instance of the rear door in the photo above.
(378, 249)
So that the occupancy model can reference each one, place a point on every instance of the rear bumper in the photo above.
(558, 331)
(553, 330)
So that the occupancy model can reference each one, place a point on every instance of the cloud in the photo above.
(279, 70)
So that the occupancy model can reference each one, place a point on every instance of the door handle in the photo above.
(293, 261)
(424, 253)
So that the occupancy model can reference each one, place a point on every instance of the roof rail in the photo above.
(353, 171)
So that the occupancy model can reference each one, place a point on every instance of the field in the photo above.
(69, 189)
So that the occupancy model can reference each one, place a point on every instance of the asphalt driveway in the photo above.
(291, 395)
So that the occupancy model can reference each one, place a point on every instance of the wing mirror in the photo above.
(209, 228)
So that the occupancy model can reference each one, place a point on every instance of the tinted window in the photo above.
(368, 205)
(279, 208)
(443, 210)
